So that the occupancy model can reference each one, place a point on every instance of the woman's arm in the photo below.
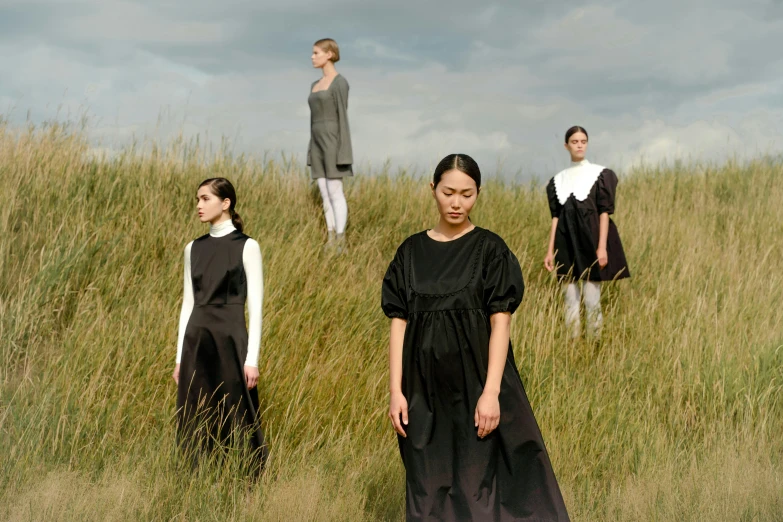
(187, 309)
(487, 414)
(344, 148)
(398, 405)
(251, 260)
(549, 260)
(607, 185)
(603, 232)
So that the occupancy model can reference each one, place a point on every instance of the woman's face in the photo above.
(577, 146)
(320, 57)
(210, 207)
(455, 195)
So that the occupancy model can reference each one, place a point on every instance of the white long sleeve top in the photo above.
(251, 260)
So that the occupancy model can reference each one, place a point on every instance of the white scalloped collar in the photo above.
(578, 179)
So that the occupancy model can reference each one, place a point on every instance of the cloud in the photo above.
(131, 22)
(368, 47)
(499, 81)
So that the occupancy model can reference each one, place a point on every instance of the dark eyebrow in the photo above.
(455, 190)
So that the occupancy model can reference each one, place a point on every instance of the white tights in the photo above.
(335, 206)
(591, 292)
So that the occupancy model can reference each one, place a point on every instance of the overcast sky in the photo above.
(694, 79)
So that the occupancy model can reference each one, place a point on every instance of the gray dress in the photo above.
(329, 153)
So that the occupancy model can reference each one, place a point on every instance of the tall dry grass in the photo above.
(676, 415)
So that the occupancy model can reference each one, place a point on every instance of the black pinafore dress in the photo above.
(214, 405)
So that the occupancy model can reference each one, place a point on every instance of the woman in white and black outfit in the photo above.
(217, 355)
(584, 245)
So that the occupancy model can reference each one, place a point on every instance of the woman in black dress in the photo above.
(329, 153)
(469, 441)
(584, 245)
(217, 357)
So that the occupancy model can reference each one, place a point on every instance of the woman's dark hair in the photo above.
(222, 188)
(573, 130)
(460, 162)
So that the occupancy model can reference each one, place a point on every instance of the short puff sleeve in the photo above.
(607, 185)
(394, 297)
(554, 203)
(503, 284)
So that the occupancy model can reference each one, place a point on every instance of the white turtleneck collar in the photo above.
(578, 180)
(223, 228)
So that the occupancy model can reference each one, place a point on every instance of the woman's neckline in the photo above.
(328, 87)
(469, 232)
(222, 229)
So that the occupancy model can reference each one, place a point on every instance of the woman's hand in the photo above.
(176, 373)
(603, 258)
(487, 416)
(549, 261)
(398, 407)
(251, 376)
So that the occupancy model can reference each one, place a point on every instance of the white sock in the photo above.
(572, 298)
(592, 296)
(328, 210)
(334, 188)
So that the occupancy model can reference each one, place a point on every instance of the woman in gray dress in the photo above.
(329, 153)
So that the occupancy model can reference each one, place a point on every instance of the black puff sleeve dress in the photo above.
(446, 291)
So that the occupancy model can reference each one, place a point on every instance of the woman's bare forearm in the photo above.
(498, 351)
(551, 247)
(603, 230)
(396, 337)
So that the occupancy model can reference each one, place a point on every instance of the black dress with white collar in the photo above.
(577, 197)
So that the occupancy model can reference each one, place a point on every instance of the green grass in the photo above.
(676, 415)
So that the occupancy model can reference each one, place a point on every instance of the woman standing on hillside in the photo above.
(469, 441)
(329, 153)
(584, 244)
(217, 357)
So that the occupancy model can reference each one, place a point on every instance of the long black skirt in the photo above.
(215, 409)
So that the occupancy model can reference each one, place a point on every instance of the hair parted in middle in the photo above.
(460, 162)
(573, 130)
(328, 45)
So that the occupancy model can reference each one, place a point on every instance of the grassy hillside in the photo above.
(676, 415)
